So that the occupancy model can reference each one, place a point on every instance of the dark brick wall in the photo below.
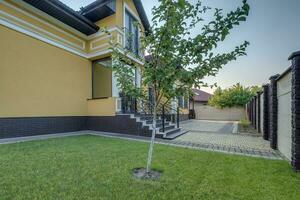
(273, 111)
(266, 112)
(295, 110)
(251, 111)
(27, 126)
(258, 112)
(117, 124)
(254, 112)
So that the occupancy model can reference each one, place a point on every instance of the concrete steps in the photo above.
(171, 131)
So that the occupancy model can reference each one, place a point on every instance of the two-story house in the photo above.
(55, 73)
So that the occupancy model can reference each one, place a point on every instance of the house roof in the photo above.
(200, 95)
(99, 9)
(63, 13)
(83, 21)
(140, 9)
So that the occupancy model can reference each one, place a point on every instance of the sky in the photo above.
(272, 28)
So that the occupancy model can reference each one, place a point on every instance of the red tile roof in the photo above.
(201, 96)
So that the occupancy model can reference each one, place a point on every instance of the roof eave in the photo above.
(65, 14)
(141, 11)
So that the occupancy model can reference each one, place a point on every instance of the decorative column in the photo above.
(266, 112)
(295, 69)
(273, 111)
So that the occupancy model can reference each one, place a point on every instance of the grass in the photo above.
(90, 167)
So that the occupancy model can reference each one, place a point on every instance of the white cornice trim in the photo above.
(112, 29)
(18, 20)
(44, 22)
(39, 37)
(48, 17)
(54, 43)
(78, 35)
(99, 53)
(29, 29)
(99, 46)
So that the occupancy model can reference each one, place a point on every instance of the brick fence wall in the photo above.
(275, 112)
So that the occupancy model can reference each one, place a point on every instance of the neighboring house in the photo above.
(199, 97)
(199, 109)
(55, 71)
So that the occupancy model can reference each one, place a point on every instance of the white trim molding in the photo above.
(34, 31)
(39, 37)
(111, 29)
(48, 17)
(12, 19)
(92, 47)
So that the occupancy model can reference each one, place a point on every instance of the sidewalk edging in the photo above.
(274, 155)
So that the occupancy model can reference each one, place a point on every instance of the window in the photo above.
(102, 78)
(186, 101)
(180, 101)
(132, 33)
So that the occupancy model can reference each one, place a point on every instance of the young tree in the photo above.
(180, 59)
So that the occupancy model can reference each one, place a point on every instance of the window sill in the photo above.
(97, 98)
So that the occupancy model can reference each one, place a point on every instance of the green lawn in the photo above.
(90, 167)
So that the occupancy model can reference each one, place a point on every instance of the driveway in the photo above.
(222, 127)
(220, 133)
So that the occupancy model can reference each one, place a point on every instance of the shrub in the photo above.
(235, 96)
(244, 123)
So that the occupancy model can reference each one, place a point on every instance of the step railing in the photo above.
(163, 111)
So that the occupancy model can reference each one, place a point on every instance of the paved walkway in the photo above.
(178, 143)
(223, 127)
(224, 136)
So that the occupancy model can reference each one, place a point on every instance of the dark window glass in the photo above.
(132, 33)
(180, 102)
(186, 101)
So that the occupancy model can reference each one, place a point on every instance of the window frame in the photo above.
(93, 75)
(136, 41)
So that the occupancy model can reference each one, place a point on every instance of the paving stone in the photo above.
(245, 150)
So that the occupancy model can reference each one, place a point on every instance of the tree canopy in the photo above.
(179, 59)
(235, 96)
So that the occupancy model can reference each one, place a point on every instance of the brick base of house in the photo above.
(30, 126)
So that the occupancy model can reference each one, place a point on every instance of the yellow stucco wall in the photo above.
(27, 19)
(37, 79)
(102, 107)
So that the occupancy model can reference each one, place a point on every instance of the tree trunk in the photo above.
(150, 152)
